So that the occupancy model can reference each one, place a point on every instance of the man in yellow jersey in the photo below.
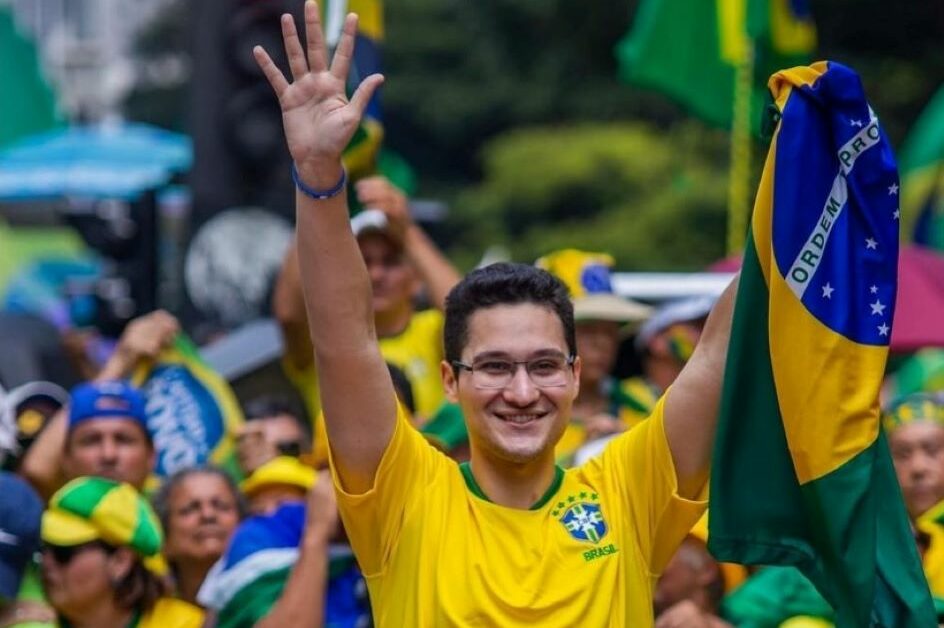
(510, 539)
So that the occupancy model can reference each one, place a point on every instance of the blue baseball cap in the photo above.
(21, 511)
(112, 399)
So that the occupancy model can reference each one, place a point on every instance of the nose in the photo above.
(521, 391)
(207, 512)
(109, 450)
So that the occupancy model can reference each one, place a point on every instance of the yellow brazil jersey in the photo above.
(588, 554)
(933, 559)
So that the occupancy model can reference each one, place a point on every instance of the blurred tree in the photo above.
(651, 198)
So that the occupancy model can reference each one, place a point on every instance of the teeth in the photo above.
(519, 418)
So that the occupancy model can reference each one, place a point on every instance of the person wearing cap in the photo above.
(103, 431)
(101, 559)
(280, 480)
(914, 425)
(400, 258)
(665, 342)
(21, 510)
(601, 318)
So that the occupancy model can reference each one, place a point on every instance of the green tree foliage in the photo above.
(652, 199)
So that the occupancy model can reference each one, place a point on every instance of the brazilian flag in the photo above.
(802, 473)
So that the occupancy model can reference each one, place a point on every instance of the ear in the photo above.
(450, 381)
(120, 563)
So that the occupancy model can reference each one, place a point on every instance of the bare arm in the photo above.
(288, 304)
(691, 405)
(438, 274)
(303, 599)
(143, 339)
(357, 394)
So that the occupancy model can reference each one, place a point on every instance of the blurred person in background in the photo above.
(274, 427)
(280, 480)
(601, 318)
(199, 508)
(101, 559)
(914, 425)
(20, 594)
(95, 438)
(401, 259)
(689, 591)
(281, 567)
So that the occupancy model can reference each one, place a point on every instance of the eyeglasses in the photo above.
(63, 554)
(545, 372)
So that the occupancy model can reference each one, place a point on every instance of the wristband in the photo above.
(319, 195)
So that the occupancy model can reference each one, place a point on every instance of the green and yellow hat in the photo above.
(92, 508)
(928, 407)
(280, 471)
(587, 277)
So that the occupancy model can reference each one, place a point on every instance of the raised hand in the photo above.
(318, 119)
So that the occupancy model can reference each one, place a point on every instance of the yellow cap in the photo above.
(284, 471)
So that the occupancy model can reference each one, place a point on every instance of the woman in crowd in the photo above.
(199, 508)
(101, 560)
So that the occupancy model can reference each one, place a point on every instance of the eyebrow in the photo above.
(504, 355)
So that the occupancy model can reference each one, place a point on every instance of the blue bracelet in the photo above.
(318, 195)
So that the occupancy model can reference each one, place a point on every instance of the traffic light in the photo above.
(240, 157)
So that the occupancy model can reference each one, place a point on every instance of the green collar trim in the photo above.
(476, 490)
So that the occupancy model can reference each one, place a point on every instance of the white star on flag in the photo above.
(873, 289)
(883, 330)
(870, 243)
(857, 123)
(877, 307)
(828, 291)
(893, 189)
(896, 214)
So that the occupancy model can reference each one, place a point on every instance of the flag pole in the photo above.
(740, 173)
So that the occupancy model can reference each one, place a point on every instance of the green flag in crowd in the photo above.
(802, 474)
(922, 175)
(690, 49)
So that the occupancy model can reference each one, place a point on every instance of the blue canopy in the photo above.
(114, 160)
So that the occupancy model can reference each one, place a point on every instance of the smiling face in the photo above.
(520, 423)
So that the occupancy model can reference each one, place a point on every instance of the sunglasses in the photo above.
(63, 554)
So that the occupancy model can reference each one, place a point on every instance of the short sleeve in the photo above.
(637, 466)
(373, 519)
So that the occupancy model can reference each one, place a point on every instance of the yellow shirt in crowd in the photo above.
(417, 351)
(588, 554)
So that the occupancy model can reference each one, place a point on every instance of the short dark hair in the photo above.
(504, 283)
(161, 499)
(139, 589)
(266, 406)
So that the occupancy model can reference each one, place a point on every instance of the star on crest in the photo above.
(855, 123)
(873, 289)
(877, 307)
(893, 189)
(828, 291)
(871, 244)
(883, 330)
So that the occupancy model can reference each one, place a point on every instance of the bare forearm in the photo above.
(437, 272)
(302, 601)
(41, 463)
(691, 410)
(288, 305)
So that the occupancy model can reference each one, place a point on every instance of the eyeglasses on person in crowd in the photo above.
(547, 371)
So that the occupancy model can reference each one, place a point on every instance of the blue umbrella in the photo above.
(119, 160)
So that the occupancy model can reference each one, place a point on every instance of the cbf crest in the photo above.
(581, 517)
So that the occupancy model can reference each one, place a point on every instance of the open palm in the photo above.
(318, 119)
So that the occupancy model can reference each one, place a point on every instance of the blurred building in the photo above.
(86, 49)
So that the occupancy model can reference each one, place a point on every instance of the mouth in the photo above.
(520, 419)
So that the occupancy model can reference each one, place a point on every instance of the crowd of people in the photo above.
(486, 464)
